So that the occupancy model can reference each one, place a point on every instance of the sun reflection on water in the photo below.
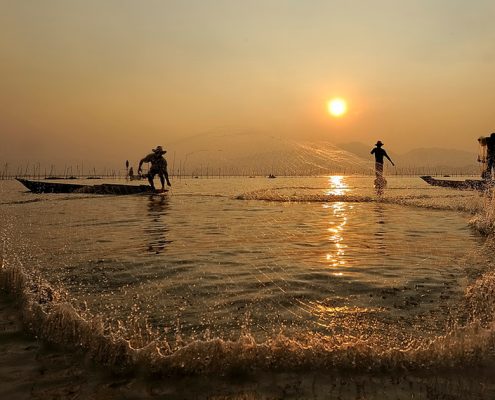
(338, 186)
(336, 256)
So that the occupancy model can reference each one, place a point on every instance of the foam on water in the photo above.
(50, 317)
(471, 202)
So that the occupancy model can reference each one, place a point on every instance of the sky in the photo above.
(101, 81)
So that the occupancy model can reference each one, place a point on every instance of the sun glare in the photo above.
(337, 107)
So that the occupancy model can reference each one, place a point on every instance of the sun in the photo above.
(337, 107)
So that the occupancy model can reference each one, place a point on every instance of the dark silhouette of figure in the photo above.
(490, 156)
(158, 166)
(379, 153)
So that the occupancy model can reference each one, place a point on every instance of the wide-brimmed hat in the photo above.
(379, 143)
(159, 149)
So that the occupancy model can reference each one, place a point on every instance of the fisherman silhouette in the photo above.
(380, 181)
(158, 166)
(490, 156)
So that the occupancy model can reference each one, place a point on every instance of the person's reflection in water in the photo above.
(381, 230)
(156, 228)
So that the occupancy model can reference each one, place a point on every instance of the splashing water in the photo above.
(313, 273)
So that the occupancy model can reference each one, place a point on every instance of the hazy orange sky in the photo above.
(99, 81)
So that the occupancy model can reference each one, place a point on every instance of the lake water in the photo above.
(257, 274)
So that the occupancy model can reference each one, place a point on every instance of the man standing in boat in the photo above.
(379, 153)
(158, 166)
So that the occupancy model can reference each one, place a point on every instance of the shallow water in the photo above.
(322, 264)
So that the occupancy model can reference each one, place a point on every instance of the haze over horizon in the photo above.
(100, 82)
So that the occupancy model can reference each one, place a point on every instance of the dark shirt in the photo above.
(379, 154)
(490, 146)
(158, 163)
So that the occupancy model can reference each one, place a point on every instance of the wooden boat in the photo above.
(467, 184)
(105, 188)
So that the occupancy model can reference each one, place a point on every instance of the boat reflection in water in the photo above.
(156, 228)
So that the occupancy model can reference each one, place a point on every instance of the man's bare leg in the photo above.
(162, 180)
(150, 180)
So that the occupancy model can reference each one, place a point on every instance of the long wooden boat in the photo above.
(105, 188)
(467, 184)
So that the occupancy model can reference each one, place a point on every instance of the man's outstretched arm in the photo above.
(386, 155)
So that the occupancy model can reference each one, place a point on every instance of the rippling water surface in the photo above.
(283, 274)
(219, 257)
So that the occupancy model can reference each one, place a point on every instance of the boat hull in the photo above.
(105, 188)
(468, 184)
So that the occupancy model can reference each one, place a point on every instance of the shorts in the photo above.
(154, 171)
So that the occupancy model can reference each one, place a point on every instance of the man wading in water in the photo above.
(379, 153)
(158, 166)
